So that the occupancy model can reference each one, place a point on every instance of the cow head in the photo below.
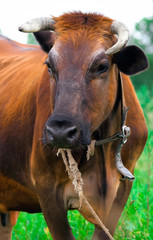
(83, 56)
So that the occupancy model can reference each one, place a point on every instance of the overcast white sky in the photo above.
(15, 12)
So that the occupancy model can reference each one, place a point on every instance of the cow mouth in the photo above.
(66, 132)
(62, 132)
(72, 138)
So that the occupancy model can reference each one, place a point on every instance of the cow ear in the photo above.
(45, 39)
(131, 60)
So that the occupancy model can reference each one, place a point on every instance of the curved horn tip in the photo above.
(118, 46)
(22, 29)
(38, 24)
(29, 28)
(122, 31)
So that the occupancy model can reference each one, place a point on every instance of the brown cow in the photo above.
(79, 99)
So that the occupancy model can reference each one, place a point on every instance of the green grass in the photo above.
(137, 218)
(136, 221)
(33, 227)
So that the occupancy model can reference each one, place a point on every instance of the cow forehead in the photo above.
(80, 38)
(66, 53)
(77, 29)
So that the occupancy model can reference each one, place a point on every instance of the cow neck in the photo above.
(123, 112)
(121, 136)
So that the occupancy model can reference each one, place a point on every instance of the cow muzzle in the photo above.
(62, 132)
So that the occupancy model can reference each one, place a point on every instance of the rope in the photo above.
(75, 175)
(73, 172)
(91, 149)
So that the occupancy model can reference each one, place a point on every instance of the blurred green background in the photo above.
(137, 218)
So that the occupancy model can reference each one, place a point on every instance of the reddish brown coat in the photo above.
(33, 178)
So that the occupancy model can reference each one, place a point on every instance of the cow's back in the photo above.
(21, 68)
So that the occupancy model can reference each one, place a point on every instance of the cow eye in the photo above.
(102, 68)
(49, 68)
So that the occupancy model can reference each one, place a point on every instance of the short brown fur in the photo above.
(33, 177)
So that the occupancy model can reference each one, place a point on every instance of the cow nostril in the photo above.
(72, 133)
(50, 133)
(63, 135)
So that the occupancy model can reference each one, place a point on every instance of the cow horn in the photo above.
(123, 36)
(38, 24)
